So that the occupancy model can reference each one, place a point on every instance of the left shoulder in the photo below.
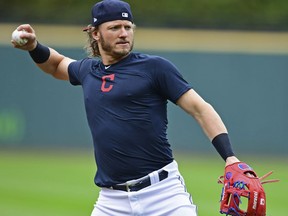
(149, 58)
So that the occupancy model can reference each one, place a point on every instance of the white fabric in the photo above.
(165, 198)
(154, 177)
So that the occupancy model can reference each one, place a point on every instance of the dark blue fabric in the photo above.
(126, 107)
(110, 10)
(223, 146)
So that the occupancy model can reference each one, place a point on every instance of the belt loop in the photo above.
(127, 187)
(154, 177)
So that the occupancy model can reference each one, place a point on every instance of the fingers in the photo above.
(28, 34)
(26, 27)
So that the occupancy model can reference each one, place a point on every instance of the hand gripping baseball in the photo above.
(240, 181)
(26, 38)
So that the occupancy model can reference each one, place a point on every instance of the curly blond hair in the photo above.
(91, 46)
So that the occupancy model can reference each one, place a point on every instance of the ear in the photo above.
(96, 35)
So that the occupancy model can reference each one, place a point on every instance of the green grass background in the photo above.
(58, 183)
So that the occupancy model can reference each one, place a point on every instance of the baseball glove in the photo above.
(240, 181)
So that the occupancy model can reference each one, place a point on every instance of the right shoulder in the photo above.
(79, 69)
(84, 63)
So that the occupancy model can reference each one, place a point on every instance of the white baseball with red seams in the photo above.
(16, 37)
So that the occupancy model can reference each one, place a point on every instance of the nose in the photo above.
(123, 32)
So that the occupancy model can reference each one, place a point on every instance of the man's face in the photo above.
(115, 38)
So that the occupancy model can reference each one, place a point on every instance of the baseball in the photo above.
(16, 37)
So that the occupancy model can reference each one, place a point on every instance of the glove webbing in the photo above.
(221, 181)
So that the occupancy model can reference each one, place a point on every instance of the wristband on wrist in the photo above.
(40, 54)
(223, 146)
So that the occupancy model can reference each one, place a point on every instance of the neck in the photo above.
(109, 60)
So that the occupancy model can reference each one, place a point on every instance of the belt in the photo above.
(142, 183)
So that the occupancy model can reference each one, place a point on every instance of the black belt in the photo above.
(145, 182)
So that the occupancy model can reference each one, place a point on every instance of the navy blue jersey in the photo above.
(126, 108)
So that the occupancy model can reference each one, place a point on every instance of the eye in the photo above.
(128, 27)
(114, 28)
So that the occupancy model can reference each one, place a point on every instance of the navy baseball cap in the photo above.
(109, 10)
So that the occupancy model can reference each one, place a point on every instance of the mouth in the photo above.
(123, 43)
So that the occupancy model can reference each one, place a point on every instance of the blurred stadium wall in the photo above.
(208, 14)
(242, 74)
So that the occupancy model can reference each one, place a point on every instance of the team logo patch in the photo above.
(243, 166)
(228, 175)
(125, 15)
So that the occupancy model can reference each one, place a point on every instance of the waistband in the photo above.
(148, 180)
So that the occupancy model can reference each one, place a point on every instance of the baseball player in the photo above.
(126, 96)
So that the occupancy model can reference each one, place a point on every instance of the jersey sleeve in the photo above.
(77, 71)
(169, 81)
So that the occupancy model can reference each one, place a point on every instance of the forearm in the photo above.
(210, 121)
(50, 61)
(203, 113)
(215, 129)
(47, 59)
(217, 133)
(53, 65)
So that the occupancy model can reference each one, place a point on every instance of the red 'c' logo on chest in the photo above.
(108, 88)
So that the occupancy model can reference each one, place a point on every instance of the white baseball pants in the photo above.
(163, 198)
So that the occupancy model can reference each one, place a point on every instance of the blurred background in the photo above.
(208, 14)
(233, 52)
